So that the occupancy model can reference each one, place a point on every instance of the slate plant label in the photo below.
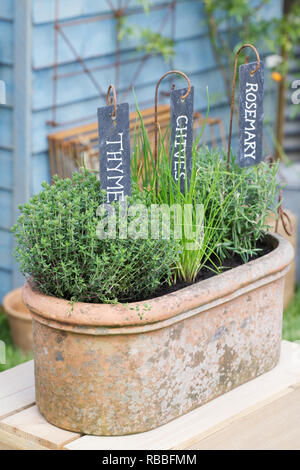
(114, 150)
(181, 141)
(251, 114)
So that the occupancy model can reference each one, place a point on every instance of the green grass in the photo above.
(14, 356)
(291, 319)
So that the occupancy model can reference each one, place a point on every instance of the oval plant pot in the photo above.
(289, 175)
(19, 319)
(119, 369)
(290, 280)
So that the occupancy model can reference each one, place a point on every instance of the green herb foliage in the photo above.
(235, 202)
(253, 193)
(58, 248)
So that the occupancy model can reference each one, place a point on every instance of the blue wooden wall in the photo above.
(6, 145)
(76, 95)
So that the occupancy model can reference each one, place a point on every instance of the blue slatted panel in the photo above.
(6, 74)
(5, 282)
(6, 170)
(6, 44)
(5, 249)
(91, 38)
(6, 145)
(5, 209)
(44, 10)
(6, 9)
(40, 171)
(6, 127)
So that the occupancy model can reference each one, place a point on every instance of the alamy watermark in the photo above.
(296, 93)
(157, 221)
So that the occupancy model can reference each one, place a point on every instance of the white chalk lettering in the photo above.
(113, 196)
(180, 141)
(114, 157)
(252, 87)
(250, 121)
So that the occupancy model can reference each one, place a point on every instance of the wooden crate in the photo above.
(67, 148)
(261, 414)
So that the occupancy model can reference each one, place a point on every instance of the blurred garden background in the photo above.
(58, 57)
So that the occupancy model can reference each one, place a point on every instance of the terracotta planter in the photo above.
(19, 319)
(290, 177)
(290, 279)
(127, 368)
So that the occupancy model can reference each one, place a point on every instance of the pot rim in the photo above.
(163, 308)
(10, 311)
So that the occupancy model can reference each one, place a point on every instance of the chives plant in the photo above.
(235, 202)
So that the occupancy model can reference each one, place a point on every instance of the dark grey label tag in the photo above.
(181, 141)
(114, 149)
(251, 115)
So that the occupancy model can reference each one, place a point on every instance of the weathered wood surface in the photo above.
(261, 414)
(16, 389)
(30, 425)
(276, 426)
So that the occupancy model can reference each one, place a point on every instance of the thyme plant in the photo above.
(58, 248)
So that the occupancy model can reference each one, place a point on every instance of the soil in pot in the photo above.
(209, 271)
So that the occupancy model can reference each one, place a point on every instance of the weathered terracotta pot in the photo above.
(19, 320)
(127, 368)
(290, 279)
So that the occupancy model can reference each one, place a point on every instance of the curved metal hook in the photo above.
(233, 90)
(269, 159)
(178, 72)
(284, 217)
(112, 100)
(282, 214)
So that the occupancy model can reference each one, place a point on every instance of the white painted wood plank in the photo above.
(32, 426)
(16, 379)
(238, 402)
(17, 402)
